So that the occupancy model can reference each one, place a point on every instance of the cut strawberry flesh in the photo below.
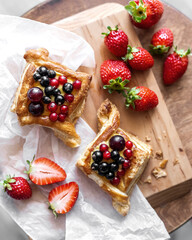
(44, 171)
(63, 198)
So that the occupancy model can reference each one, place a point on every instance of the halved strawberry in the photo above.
(43, 171)
(63, 198)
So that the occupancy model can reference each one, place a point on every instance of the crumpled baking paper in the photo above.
(93, 217)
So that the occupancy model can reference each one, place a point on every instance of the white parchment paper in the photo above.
(93, 217)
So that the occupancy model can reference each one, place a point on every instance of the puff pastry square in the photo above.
(108, 125)
(36, 58)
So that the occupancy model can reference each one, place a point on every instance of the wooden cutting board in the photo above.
(156, 124)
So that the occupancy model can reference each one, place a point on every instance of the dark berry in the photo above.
(52, 107)
(56, 92)
(44, 81)
(46, 99)
(59, 99)
(115, 181)
(54, 82)
(62, 80)
(36, 76)
(77, 84)
(103, 167)
(129, 145)
(51, 74)
(117, 142)
(35, 94)
(49, 90)
(106, 155)
(43, 71)
(53, 117)
(68, 87)
(114, 166)
(128, 153)
(110, 175)
(36, 109)
(120, 160)
(115, 155)
(61, 117)
(121, 173)
(126, 164)
(69, 97)
(64, 109)
(94, 166)
(103, 147)
(97, 156)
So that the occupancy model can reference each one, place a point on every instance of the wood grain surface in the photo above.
(176, 97)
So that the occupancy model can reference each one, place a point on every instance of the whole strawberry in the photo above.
(138, 58)
(114, 74)
(141, 99)
(17, 188)
(175, 66)
(116, 41)
(145, 13)
(162, 41)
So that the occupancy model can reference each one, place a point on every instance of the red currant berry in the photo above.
(128, 153)
(54, 82)
(69, 97)
(129, 145)
(77, 84)
(61, 117)
(121, 173)
(53, 117)
(115, 181)
(103, 147)
(64, 109)
(62, 79)
(52, 107)
(106, 155)
(126, 164)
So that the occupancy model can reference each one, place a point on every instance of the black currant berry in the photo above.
(51, 74)
(59, 99)
(97, 156)
(44, 81)
(68, 87)
(115, 155)
(46, 99)
(36, 76)
(49, 90)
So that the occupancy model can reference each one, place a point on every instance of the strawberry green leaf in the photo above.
(138, 12)
(182, 53)
(159, 49)
(129, 55)
(117, 85)
(131, 97)
(110, 29)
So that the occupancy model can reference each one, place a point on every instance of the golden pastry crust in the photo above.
(63, 130)
(108, 124)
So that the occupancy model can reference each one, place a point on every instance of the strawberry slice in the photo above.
(63, 198)
(43, 171)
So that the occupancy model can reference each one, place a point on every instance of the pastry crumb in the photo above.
(164, 134)
(163, 163)
(159, 139)
(147, 139)
(158, 173)
(148, 179)
(176, 161)
(159, 155)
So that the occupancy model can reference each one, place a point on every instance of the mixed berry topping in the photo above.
(53, 89)
(112, 161)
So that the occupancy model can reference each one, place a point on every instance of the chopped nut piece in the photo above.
(158, 173)
(175, 162)
(163, 163)
(147, 139)
(159, 155)
(148, 179)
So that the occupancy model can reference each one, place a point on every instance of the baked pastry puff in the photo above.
(52, 95)
(115, 159)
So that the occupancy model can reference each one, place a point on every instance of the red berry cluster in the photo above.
(113, 170)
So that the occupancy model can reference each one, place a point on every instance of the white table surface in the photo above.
(9, 229)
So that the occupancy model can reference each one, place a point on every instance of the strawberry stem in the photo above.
(6, 183)
(182, 53)
(129, 55)
(117, 85)
(110, 29)
(138, 12)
